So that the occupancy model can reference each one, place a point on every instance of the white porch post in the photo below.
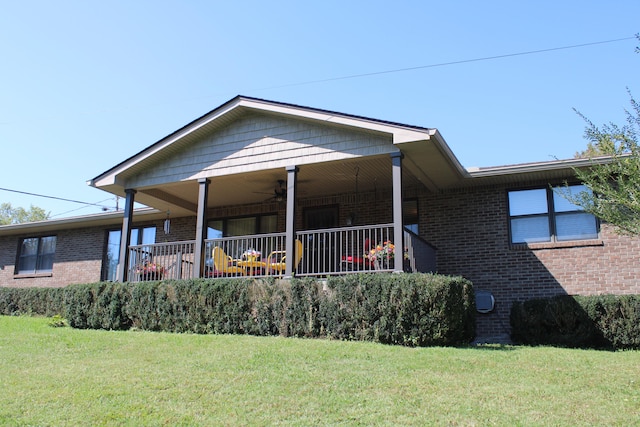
(290, 231)
(201, 228)
(125, 236)
(398, 232)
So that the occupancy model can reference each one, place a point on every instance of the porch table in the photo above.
(252, 262)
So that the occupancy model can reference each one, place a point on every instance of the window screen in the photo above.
(543, 215)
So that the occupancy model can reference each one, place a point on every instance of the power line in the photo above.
(104, 208)
(55, 198)
(398, 70)
(444, 64)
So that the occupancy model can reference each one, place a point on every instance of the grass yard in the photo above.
(66, 377)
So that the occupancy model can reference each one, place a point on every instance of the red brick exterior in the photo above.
(78, 259)
(469, 228)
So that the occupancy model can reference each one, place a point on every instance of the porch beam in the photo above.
(290, 231)
(201, 228)
(398, 233)
(169, 198)
(125, 236)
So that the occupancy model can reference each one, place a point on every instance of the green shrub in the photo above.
(57, 321)
(617, 318)
(406, 309)
(600, 321)
(197, 305)
(31, 301)
(98, 305)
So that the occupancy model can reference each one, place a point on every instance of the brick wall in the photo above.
(78, 259)
(470, 229)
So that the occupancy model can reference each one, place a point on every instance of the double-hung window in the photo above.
(36, 255)
(543, 215)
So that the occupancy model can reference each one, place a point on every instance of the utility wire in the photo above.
(104, 208)
(444, 64)
(398, 70)
(375, 73)
(55, 198)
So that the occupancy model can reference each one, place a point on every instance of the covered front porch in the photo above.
(284, 161)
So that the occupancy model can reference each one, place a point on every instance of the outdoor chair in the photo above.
(357, 261)
(224, 264)
(277, 260)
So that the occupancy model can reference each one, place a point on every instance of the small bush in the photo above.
(617, 318)
(57, 321)
(602, 321)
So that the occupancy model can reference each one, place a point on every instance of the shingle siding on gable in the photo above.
(258, 142)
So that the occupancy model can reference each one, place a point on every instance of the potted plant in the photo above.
(382, 256)
(150, 271)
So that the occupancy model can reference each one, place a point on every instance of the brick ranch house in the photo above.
(262, 188)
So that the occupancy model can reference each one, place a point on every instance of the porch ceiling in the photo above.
(314, 180)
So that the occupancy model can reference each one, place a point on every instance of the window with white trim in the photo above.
(543, 215)
(36, 255)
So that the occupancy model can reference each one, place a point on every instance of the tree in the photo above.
(11, 215)
(613, 178)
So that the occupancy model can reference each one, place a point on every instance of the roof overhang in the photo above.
(551, 171)
(94, 220)
(427, 156)
(232, 109)
(428, 161)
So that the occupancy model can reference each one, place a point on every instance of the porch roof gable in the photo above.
(430, 159)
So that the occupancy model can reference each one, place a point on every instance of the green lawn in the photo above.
(67, 377)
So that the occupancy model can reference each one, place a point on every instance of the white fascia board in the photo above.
(110, 177)
(400, 134)
(536, 167)
(446, 150)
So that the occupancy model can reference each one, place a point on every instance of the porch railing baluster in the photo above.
(324, 252)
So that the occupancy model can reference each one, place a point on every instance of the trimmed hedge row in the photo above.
(601, 321)
(32, 301)
(406, 309)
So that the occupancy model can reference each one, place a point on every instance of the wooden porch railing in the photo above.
(319, 253)
(161, 261)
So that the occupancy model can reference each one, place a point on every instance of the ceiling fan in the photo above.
(279, 192)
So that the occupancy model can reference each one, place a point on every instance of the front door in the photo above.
(322, 217)
(318, 245)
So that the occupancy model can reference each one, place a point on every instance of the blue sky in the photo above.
(86, 84)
